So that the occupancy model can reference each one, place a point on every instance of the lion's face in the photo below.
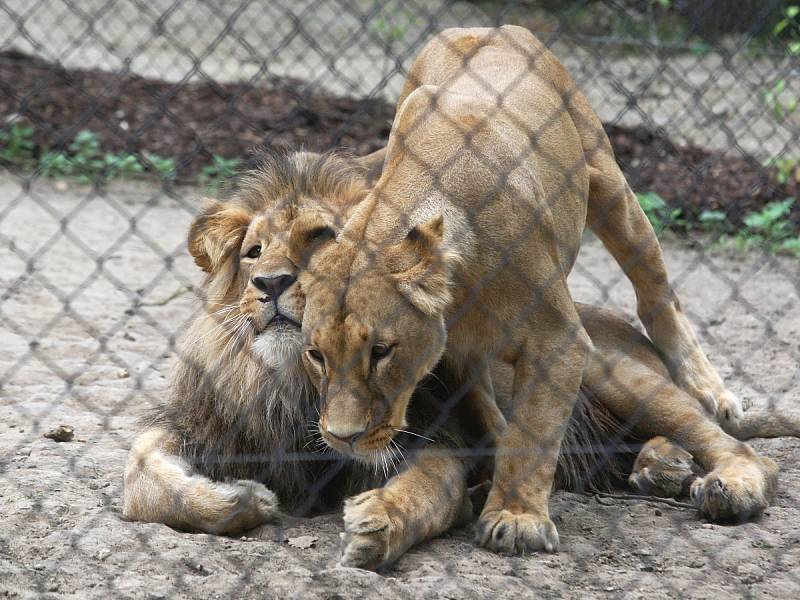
(373, 328)
(252, 291)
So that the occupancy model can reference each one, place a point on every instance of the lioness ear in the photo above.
(421, 267)
(308, 234)
(216, 233)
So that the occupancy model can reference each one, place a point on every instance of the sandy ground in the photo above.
(119, 264)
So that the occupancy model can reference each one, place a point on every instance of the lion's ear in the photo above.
(308, 234)
(421, 267)
(216, 233)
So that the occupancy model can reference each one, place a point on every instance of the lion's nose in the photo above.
(274, 286)
(347, 436)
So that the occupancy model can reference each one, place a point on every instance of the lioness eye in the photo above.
(254, 252)
(316, 355)
(380, 351)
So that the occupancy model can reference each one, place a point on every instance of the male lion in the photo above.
(494, 166)
(235, 432)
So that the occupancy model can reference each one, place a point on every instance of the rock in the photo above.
(62, 433)
(750, 573)
(303, 542)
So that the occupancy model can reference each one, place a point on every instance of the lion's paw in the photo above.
(504, 531)
(247, 504)
(737, 490)
(371, 539)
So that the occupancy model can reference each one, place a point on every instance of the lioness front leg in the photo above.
(419, 503)
(160, 487)
(547, 376)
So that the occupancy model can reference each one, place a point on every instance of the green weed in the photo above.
(789, 27)
(16, 145)
(220, 170)
(164, 166)
(661, 216)
(87, 163)
(782, 104)
(788, 168)
(770, 229)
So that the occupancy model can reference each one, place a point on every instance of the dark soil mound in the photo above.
(194, 121)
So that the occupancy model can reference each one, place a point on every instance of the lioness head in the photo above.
(373, 327)
(252, 291)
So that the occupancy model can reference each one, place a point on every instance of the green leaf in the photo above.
(780, 26)
(712, 216)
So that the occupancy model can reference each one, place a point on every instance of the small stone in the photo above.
(697, 563)
(707, 526)
(303, 542)
(62, 433)
(61, 186)
(749, 573)
(658, 512)
(123, 374)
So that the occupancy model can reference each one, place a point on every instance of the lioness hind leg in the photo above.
(161, 488)
(739, 483)
(615, 216)
(423, 501)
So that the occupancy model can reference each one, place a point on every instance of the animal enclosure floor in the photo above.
(98, 366)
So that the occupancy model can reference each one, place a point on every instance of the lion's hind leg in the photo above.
(739, 483)
(160, 487)
(663, 469)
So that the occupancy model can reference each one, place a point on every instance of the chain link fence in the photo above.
(117, 117)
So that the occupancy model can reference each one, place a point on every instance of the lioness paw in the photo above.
(712, 394)
(739, 489)
(371, 539)
(504, 531)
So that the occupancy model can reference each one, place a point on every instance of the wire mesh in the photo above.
(120, 116)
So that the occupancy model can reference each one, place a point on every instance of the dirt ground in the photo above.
(117, 260)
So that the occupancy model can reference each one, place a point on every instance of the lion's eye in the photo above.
(316, 356)
(254, 252)
(380, 351)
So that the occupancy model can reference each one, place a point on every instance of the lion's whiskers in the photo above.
(412, 433)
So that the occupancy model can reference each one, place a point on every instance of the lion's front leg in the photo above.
(418, 504)
(160, 487)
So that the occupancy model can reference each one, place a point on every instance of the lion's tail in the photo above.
(765, 424)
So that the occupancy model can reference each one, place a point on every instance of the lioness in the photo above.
(240, 424)
(495, 164)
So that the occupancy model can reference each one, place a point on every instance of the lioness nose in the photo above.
(346, 436)
(274, 286)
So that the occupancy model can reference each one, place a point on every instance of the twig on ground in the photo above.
(667, 501)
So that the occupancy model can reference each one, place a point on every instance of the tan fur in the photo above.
(178, 469)
(626, 371)
(494, 166)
